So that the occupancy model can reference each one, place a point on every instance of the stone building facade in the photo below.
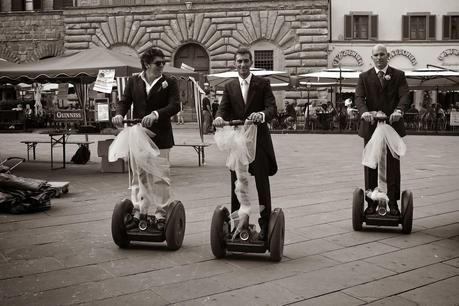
(289, 35)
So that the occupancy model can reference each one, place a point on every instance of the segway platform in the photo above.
(247, 241)
(148, 229)
(359, 216)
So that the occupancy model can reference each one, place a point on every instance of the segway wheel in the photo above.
(217, 231)
(407, 211)
(121, 213)
(175, 226)
(358, 200)
(276, 235)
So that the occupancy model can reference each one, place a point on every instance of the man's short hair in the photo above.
(148, 56)
(243, 50)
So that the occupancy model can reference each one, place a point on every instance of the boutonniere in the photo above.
(164, 84)
(387, 77)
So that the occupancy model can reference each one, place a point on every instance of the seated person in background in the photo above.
(412, 117)
(291, 115)
(412, 109)
(311, 113)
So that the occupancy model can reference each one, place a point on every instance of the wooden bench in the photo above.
(198, 147)
(32, 144)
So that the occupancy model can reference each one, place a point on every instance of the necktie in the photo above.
(244, 89)
(381, 77)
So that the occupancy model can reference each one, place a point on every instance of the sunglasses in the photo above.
(159, 63)
(245, 61)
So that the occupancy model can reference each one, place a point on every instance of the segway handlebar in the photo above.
(237, 122)
(379, 116)
(132, 121)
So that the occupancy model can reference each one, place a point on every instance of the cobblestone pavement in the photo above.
(66, 256)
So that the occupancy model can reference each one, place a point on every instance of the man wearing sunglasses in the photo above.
(250, 97)
(382, 88)
(155, 98)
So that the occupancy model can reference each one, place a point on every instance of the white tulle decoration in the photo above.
(149, 173)
(239, 143)
(374, 155)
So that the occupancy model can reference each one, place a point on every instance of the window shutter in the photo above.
(37, 5)
(405, 27)
(57, 4)
(68, 3)
(432, 27)
(347, 27)
(374, 27)
(446, 26)
(17, 5)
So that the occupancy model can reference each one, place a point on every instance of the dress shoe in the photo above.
(263, 235)
(370, 210)
(394, 211)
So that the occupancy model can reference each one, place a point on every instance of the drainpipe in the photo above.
(329, 21)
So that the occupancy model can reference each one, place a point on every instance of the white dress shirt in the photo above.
(149, 86)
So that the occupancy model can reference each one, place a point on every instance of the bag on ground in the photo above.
(82, 155)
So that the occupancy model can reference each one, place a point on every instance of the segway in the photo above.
(380, 217)
(222, 232)
(147, 228)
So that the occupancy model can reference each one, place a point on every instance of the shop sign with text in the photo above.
(68, 115)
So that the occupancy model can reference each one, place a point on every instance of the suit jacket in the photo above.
(260, 98)
(161, 98)
(371, 96)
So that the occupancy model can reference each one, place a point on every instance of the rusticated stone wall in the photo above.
(296, 30)
(28, 36)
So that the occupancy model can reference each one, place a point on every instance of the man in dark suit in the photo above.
(382, 88)
(251, 97)
(156, 99)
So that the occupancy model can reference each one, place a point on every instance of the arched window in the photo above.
(192, 55)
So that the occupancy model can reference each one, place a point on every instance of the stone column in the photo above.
(29, 5)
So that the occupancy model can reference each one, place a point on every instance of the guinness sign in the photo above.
(68, 115)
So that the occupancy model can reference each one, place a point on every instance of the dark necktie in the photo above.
(381, 77)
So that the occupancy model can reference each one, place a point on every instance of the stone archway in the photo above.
(192, 55)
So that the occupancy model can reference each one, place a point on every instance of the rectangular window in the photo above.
(360, 30)
(37, 5)
(361, 26)
(418, 26)
(450, 27)
(264, 59)
(17, 5)
(454, 27)
(61, 4)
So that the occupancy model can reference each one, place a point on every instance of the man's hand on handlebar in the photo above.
(256, 117)
(395, 116)
(368, 117)
(148, 120)
(218, 122)
(117, 121)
